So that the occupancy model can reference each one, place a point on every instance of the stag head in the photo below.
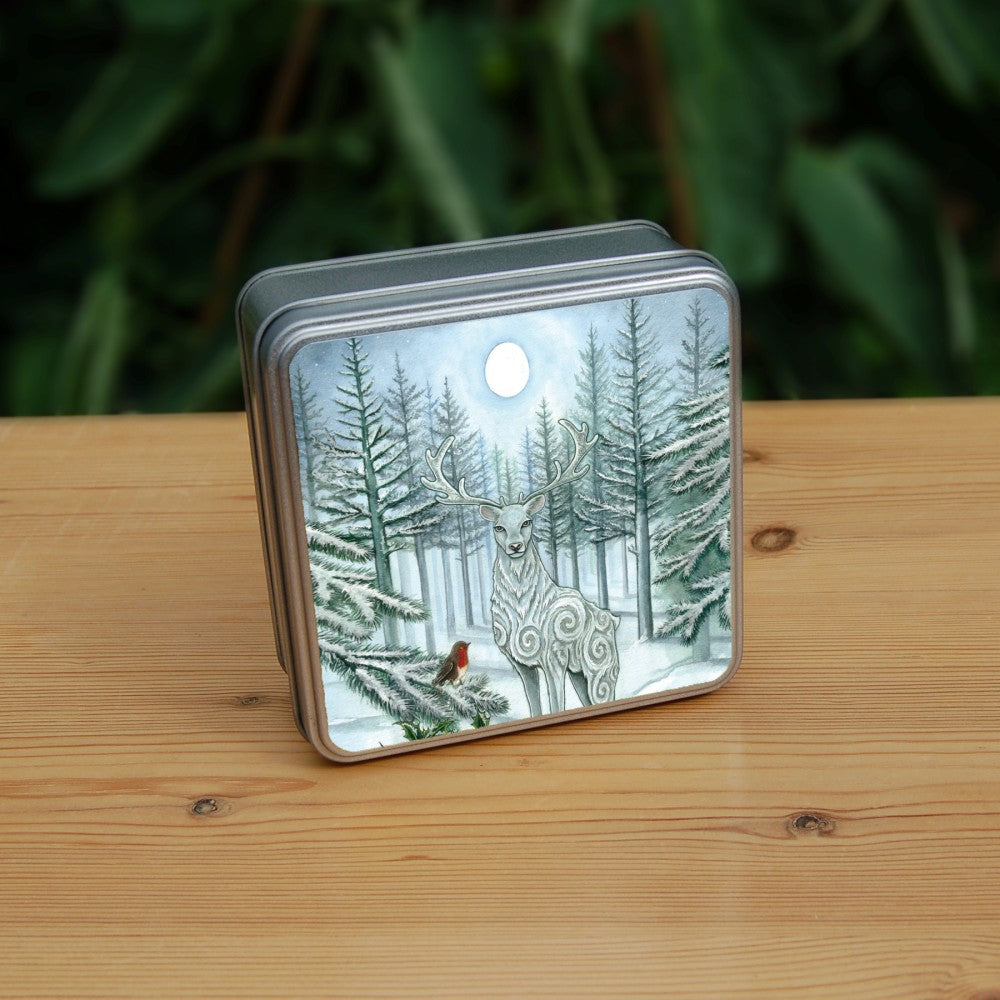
(512, 523)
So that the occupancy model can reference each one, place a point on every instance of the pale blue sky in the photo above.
(552, 340)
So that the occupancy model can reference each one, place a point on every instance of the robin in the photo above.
(455, 665)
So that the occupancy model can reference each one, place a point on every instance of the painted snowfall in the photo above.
(596, 474)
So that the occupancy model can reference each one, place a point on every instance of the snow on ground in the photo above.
(646, 667)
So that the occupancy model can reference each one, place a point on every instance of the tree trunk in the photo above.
(380, 547)
(643, 583)
(463, 556)
(425, 593)
(574, 555)
(383, 572)
(701, 646)
(449, 597)
(602, 574)
(485, 584)
(403, 574)
(553, 560)
(463, 562)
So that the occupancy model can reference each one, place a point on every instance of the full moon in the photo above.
(507, 369)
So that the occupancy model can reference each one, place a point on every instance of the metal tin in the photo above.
(497, 482)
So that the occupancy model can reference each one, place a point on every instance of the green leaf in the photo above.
(900, 178)
(169, 13)
(26, 366)
(864, 248)
(446, 57)
(416, 729)
(858, 25)
(89, 372)
(571, 29)
(136, 99)
(612, 12)
(959, 43)
(738, 91)
(570, 112)
(958, 292)
(445, 128)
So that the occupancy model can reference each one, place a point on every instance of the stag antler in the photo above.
(439, 484)
(581, 448)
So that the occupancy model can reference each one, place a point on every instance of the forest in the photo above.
(644, 532)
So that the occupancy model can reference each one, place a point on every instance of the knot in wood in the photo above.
(773, 539)
(207, 807)
(809, 822)
(251, 699)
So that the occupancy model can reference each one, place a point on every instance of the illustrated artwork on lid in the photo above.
(513, 516)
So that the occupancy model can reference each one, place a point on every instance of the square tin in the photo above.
(497, 482)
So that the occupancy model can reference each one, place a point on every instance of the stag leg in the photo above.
(529, 678)
(555, 680)
(580, 686)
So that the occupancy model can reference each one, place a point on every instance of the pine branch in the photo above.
(327, 541)
(685, 618)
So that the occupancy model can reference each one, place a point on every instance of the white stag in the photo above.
(542, 628)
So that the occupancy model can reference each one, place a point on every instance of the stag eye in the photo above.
(524, 524)
(500, 528)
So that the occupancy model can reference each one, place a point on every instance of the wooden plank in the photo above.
(825, 825)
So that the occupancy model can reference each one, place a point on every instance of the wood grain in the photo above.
(825, 825)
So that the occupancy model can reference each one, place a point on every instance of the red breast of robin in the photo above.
(454, 665)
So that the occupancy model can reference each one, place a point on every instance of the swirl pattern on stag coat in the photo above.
(538, 624)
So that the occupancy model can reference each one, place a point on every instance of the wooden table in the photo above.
(825, 825)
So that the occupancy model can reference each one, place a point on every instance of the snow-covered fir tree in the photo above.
(697, 371)
(529, 463)
(505, 475)
(695, 545)
(497, 459)
(549, 521)
(374, 499)
(397, 681)
(591, 408)
(307, 416)
(443, 536)
(332, 485)
(511, 475)
(452, 420)
(403, 408)
(483, 546)
(569, 525)
(636, 428)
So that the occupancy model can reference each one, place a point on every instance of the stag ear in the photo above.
(488, 511)
(532, 507)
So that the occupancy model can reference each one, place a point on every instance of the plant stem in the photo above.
(663, 124)
(245, 205)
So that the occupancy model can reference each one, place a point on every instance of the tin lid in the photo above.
(278, 288)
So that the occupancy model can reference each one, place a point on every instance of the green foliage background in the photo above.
(839, 157)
